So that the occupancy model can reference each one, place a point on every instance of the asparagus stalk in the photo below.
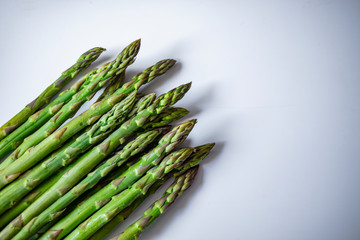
(142, 103)
(36, 120)
(176, 189)
(105, 125)
(58, 207)
(113, 86)
(82, 63)
(199, 154)
(166, 144)
(35, 193)
(195, 158)
(96, 80)
(95, 156)
(29, 199)
(33, 155)
(22, 188)
(126, 197)
(113, 175)
(108, 227)
(41, 231)
(124, 214)
(171, 115)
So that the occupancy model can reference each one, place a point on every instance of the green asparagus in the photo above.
(96, 80)
(124, 214)
(200, 153)
(113, 86)
(12, 213)
(96, 155)
(64, 156)
(82, 63)
(126, 197)
(33, 155)
(79, 180)
(36, 120)
(166, 144)
(171, 115)
(41, 174)
(195, 158)
(87, 183)
(176, 189)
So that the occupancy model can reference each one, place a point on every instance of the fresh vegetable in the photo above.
(34, 155)
(91, 159)
(82, 63)
(125, 198)
(66, 154)
(79, 177)
(176, 189)
(77, 171)
(63, 110)
(166, 144)
(195, 158)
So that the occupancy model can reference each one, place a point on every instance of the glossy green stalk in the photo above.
(166, 144)
(124, 214)
(97, 154)
(82, 63)
(125, 198)
(41, 231)
(200, 153)
(76, 173)
(95, 80)
(169, 116)
(176, 189)
(113, 86)
(25, 202)
(195, 158)
(65, 155)
(34, 155)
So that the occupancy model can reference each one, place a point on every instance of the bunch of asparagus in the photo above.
(81, 179)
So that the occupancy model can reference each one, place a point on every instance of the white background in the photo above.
(275, 85)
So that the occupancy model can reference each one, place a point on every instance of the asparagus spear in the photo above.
(163, 119)
(58, 207)
(36, 120)
(82, 63)
(105, 125)
(195, 158)
(113, 86)
(96, 155)
(126, 197)
(124, 214)
(33, 155)
(200, 153)
(171, 115)
(176, 189)
(35, 193)
(41, 231)
(108, 227)
(166, 144)
(96, 80)
(20, 187)
(142, 103)
(28, 199)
